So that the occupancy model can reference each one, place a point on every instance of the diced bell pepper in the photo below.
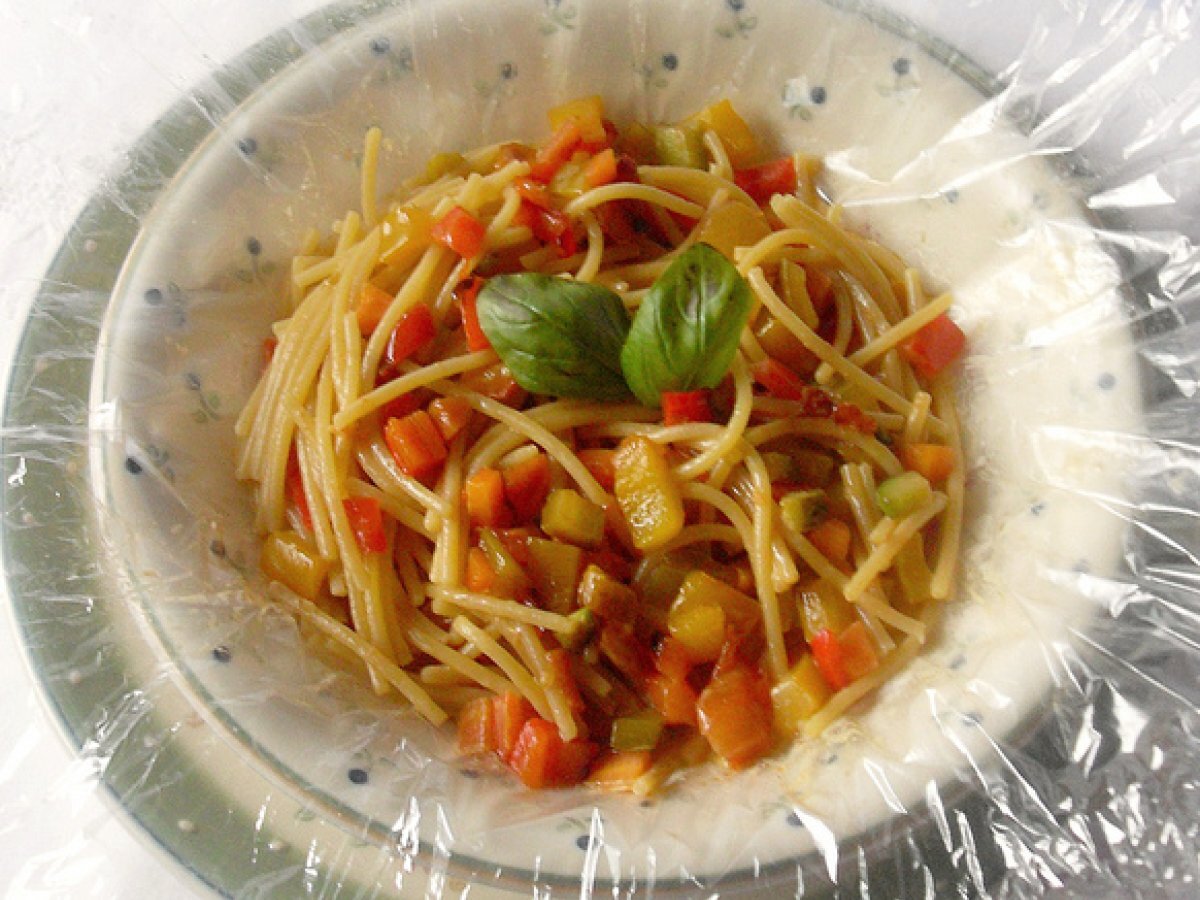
(799, 695)
(679, 145)
(735, 717)
(732, 225)
(739, 140)
(569, 516)
(903, 494)
(804, 510)
(823, 608)
(554, 570)
(288, 557)
(647, 492)
(606, 597)
(640, 731)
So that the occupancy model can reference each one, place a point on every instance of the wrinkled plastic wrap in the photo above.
(1040, 159)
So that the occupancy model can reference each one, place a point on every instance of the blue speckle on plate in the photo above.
(192, 380)
(583, 841)
(358, 776)
(247, 146)
(253, 246)
(736, 5)
(132, 466)
(380, 45)
(1038, 508)
(153, 296)
(794, 820)
(670, 62)
(818, 95)
(221, 653)
(902, 65)
(950, 195)
(1107, 381)
(217, 548)
(508, 71)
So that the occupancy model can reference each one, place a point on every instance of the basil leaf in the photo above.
(687, 329)
(557, 337)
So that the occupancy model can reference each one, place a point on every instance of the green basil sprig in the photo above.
(572, 339)
(687, 329)
(556, 336)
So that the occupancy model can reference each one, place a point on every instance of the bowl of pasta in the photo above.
(514, 450)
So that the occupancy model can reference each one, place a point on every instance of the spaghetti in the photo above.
(621, 450)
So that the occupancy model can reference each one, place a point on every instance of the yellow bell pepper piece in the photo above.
(740, 142)
(699, 626)
(823, 608)
(647, 492)
(733, 225)
(701, 611)
(799, 695)
(287, 557)
(571, 517)
(588, 114)
(737, 137)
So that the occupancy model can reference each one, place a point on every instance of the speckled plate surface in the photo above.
(248, 751)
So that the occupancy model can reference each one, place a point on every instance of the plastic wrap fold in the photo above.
(1040, 159)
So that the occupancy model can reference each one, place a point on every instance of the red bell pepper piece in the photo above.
(510, 713)
(673, 698)
(853, 417)
(600, 462)
(827, 652)
(553, 226)
(413, 332)
(467, 292)
(859, 654)
(366, 521)
(497, 382)
(477, 727)
(563, 678)
(526, 485)
(484, 496)
(534, 192)
(450, 414)
(403, 405)
(735, 717)
(551, 157)
(542, 759)
(765, 181)
(782, 382)
(672, 659)
(935, 346)
(680, 407)
(461, 232)
(373, 303)
(601, 169)
(416, 444)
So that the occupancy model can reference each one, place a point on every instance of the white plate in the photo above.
(310, 756)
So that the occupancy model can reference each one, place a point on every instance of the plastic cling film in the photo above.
(1037, 159)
